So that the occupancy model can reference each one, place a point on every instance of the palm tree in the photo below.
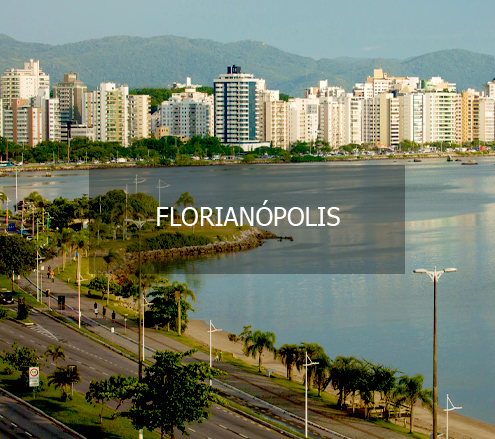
(185, 199)
(258, 341)
(345, 377)
(3, 198)
(95, 227)
(312, 350)
(64, 378)
(288, 354)
(182, 292)
(113, 257)
(55, 352)
(410, 390)
(65, 238)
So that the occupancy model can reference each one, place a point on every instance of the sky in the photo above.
(316, 28)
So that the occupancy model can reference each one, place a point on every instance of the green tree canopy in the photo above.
(172, 394)
(18, 256)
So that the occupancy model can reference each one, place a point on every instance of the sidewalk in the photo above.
(256, 385)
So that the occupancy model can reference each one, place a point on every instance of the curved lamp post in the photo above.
(435, 276)
(306, 365)
(210, 331)
(449, 410)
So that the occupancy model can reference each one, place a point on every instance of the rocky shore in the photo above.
(247, 240)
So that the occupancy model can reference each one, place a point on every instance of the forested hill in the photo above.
(159, 61)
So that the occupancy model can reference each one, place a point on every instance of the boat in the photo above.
(458, 160)
(417, 160)
(48, 174)
(449, 158)
(470, 162)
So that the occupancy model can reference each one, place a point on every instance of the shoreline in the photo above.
(4, 172)
(248, 240)
(460, 427)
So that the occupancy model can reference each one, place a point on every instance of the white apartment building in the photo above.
(323, 90)
(22, 83)
(381, 120)
(331, 120)
(440, 116)
(188, 114)
(238, 108)
(50, 114)
(489, 89)
(69, 92)
(411, 117)
(353, 120)
(139, 117)
(276, 123)
(303, 119)
(487, 119)
(106, 108)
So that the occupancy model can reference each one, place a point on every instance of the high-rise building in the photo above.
(381, 120)
(50, 115)
(331, 120)
(487, 119)
(139, 117)
(238, 108)
(23, 123)
(353, 123)
(23, 83)
(489, 89)
(411, 117)
(188, 114)
(440, 116)
(106, 108)
(69, 92)
(275, 123)
(303, 119)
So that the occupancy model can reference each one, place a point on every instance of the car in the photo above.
(7, 298)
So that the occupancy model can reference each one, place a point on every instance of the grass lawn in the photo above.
(76, 413)
(399, 429)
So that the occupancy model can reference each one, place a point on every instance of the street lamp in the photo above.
(210, 331)
(306, 365)
(435, 276)
(136, 181)
(449, 410)
(125, 324)
(79, 280)
(38, 260)
(139, 224)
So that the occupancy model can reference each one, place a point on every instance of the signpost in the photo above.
(34, 378)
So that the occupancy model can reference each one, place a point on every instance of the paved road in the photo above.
(18, 421)
(95, 361)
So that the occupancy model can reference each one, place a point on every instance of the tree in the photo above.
(321, 374)
(55, 352)
(112, 257)
(185, 199)
(164, 309)
(99, 391)
(172, 394)
(18, 256)
(257, 342)
(313, 350)
(3, 313)
(23, 310)
(182, 292)
(22, 359)
(288, 354)
(64, 378)
(344, 377)
(384, 381)
(121, 388)
(410, 390)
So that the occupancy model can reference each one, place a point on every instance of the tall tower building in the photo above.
(69, 92)
(139, 117)
(106, 108)
(22, 83)
(238, 108)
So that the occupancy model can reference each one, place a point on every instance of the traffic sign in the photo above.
(34, 376)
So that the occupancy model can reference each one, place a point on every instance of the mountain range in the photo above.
(160, 61)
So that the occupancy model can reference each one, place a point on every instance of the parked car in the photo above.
(7, 298)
